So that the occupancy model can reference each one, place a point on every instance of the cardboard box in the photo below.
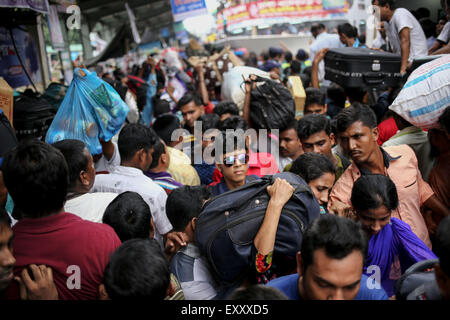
(6, 99)
(295, 86)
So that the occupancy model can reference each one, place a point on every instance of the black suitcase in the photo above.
(33, 116)
(362, 67)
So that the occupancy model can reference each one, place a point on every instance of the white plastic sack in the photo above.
(233, 88)
(426, 94)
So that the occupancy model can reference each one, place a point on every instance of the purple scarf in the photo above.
(395, 240)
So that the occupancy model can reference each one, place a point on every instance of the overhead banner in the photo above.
(36, 5)
(182, 9)
(54, 25)
(272, 9)
(10, 68)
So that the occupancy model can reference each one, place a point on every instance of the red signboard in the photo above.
(280, 9)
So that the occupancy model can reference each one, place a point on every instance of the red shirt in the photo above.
(388, 128)
(60, 241)
(260, 164)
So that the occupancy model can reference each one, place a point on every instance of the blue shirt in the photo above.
(148, 108)
(289, 286)
(222, 187)
(358, 44)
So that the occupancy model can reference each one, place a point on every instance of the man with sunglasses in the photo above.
(233, 165)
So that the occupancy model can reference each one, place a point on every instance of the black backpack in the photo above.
(271, 105)
(33, 115)
(226, 227)
(414, 276)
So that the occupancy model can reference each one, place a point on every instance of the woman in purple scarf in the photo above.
(393, 246)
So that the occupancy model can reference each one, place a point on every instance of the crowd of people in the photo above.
(123, 223)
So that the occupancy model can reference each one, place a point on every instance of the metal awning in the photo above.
(112, 13)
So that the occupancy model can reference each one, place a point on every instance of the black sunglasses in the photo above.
(242, 158)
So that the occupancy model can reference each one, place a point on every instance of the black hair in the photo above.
(441, 245)
(187, 98)
(160, 79)
(337, 236)
(36, 176)
(292, 124)
(134, 137)
(348, 30)
(160, 107)
(165, 125)
(274, 52)
(296, 67)
(314, 96)
(234, 123)
(4, 217)
(137, 269)
(423, 13)
(373, 191)
(118, 74)
(288, 56)
(158, 150)
(428, 26)
(129, 215)
(185, 203)
(355, 94)
(233, 139)
(382, 3)
(356, 112)
(311, 124)
(444, 120)
(73, 152)
(257, 292)
(226, 107)
(209, 121)
(311, 166)
(316, 27)
(337, 94)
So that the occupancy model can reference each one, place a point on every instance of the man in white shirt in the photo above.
(135, 147)
(323, 40)
(88, 206)
(442, 44)
(405, 34)
(108, 159)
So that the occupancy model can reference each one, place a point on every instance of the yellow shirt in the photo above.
(181, 169)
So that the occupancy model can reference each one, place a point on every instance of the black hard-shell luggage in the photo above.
(33, 116)
(227, 226)
(362, 67)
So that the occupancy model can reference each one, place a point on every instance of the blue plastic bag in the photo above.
(91, 109)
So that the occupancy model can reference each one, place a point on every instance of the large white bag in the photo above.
(233, 88)
(426, 94)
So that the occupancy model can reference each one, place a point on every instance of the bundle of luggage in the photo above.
(91, 110)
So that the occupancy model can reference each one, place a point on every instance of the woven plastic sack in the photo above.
(233, 84)
(91, 109)
(426, 94)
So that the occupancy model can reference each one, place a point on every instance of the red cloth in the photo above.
(388, 128)
(260, 164)
(209, 108)
(60, 241)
